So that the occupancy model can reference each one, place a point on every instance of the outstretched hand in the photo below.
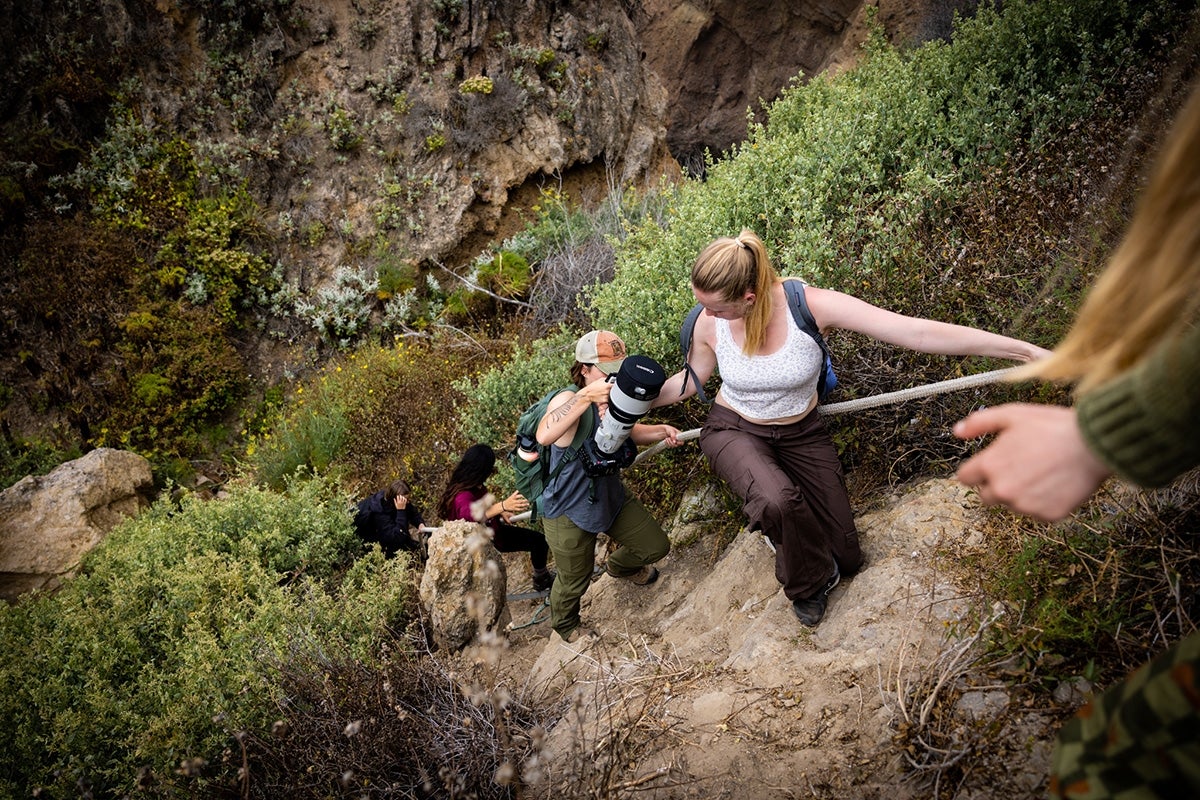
(1039, 463)
(515, 503)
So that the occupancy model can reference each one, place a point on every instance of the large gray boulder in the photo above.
(463, 590)
(48, 522)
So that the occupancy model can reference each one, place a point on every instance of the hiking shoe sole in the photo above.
(580, 634)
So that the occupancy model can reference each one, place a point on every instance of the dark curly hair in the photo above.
(470, 473)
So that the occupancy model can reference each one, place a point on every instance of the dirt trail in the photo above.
(705, 684)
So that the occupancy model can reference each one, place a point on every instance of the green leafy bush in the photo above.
(308, 437)
(503, 275)
(476, 84)
(497, 398)
(395, 277)
(174, 384)
(373, 415)
(171, 637)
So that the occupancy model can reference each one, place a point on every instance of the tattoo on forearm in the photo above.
(560, 413)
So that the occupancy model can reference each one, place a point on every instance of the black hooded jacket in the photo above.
(380, 521)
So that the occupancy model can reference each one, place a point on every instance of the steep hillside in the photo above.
(235, 190)
(704, 684)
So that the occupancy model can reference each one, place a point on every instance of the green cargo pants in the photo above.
(1139, 739)
(641, 541)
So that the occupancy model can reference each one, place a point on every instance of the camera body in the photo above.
(597, 463)
(636, 384)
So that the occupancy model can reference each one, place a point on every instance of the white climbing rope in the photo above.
(862, 403)
(928, 390)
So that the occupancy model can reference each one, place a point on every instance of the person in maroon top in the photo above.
(466, 488)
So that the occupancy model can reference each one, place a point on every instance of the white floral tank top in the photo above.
(781, 384)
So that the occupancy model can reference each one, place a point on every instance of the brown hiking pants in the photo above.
(792, 486)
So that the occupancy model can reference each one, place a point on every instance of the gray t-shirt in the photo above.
(570, 494)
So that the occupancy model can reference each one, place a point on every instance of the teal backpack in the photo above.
(530, 459)
(794, 290)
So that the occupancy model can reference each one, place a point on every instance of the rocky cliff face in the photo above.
(414, 126)
(719, 58)
(415, 122)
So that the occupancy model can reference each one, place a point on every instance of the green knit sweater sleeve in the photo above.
(1145, 425)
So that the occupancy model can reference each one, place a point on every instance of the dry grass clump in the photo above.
(1104, 590)
(922, 689)
(615, 716)
(419, 725)
(1093, 597)
(406, 728)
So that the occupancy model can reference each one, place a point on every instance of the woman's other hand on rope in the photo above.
(666, 435)
(515, 503)
(1039, 463)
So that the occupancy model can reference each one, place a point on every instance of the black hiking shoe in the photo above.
(542, 581)
(810, 610)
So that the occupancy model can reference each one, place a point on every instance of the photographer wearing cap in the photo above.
(579, 506)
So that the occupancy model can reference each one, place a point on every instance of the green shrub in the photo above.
(19, 458)
(171, 637)
(395, 277)
(374, 415)
(212, 249)
(175, 381)
(341, 313)
(476, 84)
(435, 142)
(497, 398)
(308, 437)
(342, 129)
(503, 274)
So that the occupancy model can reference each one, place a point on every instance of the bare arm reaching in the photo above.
(837, 310)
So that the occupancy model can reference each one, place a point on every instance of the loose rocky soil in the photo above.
(705, 684)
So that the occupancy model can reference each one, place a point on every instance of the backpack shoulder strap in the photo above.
(685, 345)
(793, 288)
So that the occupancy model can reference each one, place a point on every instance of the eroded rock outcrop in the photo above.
(718, 58)
(463, 589)
(48, 522)
(416, 121)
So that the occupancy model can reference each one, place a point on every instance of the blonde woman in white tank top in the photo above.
(762, 436)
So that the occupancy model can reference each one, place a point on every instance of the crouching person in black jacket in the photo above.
(386, 517)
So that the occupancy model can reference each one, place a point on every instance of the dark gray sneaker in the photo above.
(643, 577)
(810, 610)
